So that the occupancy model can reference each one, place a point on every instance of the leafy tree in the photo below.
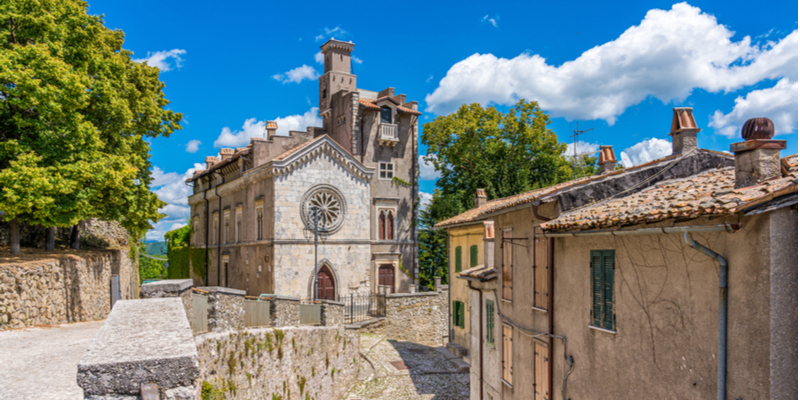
(150, 268)
(480, 147)
(432, 251)
(75, 111)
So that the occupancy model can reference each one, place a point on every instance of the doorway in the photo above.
(326, 290)
(386, 277)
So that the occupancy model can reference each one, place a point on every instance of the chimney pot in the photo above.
(210, 161)
(684, 130)
(226, 153)
(757, 158)
(480, 197)
(607, 161)
(271, 128)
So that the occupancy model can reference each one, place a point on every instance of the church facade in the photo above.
(253, 207)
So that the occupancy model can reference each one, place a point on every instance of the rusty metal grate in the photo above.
(398, 365)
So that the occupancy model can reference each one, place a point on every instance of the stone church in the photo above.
(252, 207)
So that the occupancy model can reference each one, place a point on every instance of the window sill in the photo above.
(597, 328)
(543, 310)
(508, 384)
(507, 300)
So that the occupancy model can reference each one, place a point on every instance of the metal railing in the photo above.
(310, 314)
(256, 313)
(388, 132)
(363, 307)
(200, 313)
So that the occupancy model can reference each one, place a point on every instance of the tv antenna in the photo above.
(575, 134)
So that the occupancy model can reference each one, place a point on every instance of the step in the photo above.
(457, 349)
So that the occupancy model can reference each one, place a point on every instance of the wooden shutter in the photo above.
(455, 313)
(458, 259)
(489, 321)
(608, 289)
(541, 381)
(458, 314)
(473, 256)
(508, 352)
(597, 287)
(508, 265)
(541, 269)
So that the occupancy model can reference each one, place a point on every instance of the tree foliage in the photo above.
(184, 258)
(432, 251)
(75, 113)
(479, 147)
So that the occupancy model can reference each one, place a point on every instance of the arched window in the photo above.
(390, 227)
(386, 115)
(382, 226)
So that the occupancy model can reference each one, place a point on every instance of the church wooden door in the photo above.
(386, 277)
(325, 288)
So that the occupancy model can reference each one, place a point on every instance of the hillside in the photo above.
(157, 249)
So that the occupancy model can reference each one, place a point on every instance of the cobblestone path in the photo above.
(423, 373)
(42, 362)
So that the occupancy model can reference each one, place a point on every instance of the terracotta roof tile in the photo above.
(298, 148)
(480, 272)
(370, 104)
(709, 193)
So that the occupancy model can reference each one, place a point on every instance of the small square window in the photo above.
(386, 170)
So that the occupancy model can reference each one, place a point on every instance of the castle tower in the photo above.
(336, 82)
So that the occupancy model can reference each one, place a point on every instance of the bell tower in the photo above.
(337, 78)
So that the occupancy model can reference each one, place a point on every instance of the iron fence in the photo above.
(256, 313)
(363, 307)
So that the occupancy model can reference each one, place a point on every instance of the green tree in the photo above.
(75, 111)
(432, 250)
(480, 147)
(150, 268)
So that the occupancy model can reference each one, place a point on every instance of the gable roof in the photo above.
(704, 194)
(579, 192)
(371, 104)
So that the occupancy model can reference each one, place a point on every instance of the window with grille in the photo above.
(473, 256)
(386, 170)
(226, 227)
(458, 259)
(489, 322)
(215, 232)
(259, 223)
(458, 314)
(602, 264)
(238, 225)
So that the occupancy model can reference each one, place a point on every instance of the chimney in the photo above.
(607, 162)
(684, 130)
(271, 128)
(210, 161)
(386, 92)
(488, 244)
(225, 153)
(758, 157)
(480, 197)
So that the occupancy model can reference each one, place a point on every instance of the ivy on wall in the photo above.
(182, 255)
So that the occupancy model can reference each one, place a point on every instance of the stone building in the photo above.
(251, 208)
(610, 286)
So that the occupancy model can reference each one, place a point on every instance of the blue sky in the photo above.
(617, 68)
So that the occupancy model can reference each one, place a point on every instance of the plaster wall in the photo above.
(490, 358)
(464, 237)
(783, 308)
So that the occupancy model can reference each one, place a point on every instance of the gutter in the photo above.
(723, 311)
(730, 228)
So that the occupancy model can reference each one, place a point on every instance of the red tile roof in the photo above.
(708, 193)
(479, 272)
(298, 148)
(371, 104)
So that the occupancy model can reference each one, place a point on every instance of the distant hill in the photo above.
(155, 248)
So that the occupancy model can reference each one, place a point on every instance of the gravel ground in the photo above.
(429, 375)
(42, 362)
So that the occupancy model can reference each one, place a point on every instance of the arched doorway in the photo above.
(326, 288)
(386, 277)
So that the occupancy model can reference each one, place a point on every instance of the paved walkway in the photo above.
(406, 370)
(42, 362)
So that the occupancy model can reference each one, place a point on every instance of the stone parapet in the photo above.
(171, 288)
(146, 341)
(284, 310)
(225, 308)
(332, 313)
(415, 317)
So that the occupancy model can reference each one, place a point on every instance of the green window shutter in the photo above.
(489, 322)
(458, 259)
(597, 287)
(608, 289)
(455, 313)
(461, 314)
(473, 256)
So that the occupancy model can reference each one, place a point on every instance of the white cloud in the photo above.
(426, 170)
(252, 127)
(319, 58)
(193, 146)
(297, 75)
(492, 21)
(424, 200)
(778, 103)
(337, 31)
(357, 60)
(582, 148)
(171, 188)
(161, 59)
(649, 150)
(669, 54)
(430, 78)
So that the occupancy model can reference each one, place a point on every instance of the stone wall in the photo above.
(332, 313)
(284, 311)
(225, 308)
(415, 317)
(269, 363)
(171, 288)
(66, 286)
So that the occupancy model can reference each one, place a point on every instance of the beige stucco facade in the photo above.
(463, 238)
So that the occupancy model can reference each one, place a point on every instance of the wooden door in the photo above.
(386, 276)
(508, 355)
(325, 284)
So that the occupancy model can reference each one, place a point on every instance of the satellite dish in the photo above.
(626, 161)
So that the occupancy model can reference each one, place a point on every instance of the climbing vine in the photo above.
(182, 255)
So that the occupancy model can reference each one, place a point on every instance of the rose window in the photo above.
(330, 205)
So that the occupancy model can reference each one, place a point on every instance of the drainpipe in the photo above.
(480, 338)
(723, 311)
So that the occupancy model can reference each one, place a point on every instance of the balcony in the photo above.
(387, 135)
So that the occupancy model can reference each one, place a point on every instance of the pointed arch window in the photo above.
(382, 226)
